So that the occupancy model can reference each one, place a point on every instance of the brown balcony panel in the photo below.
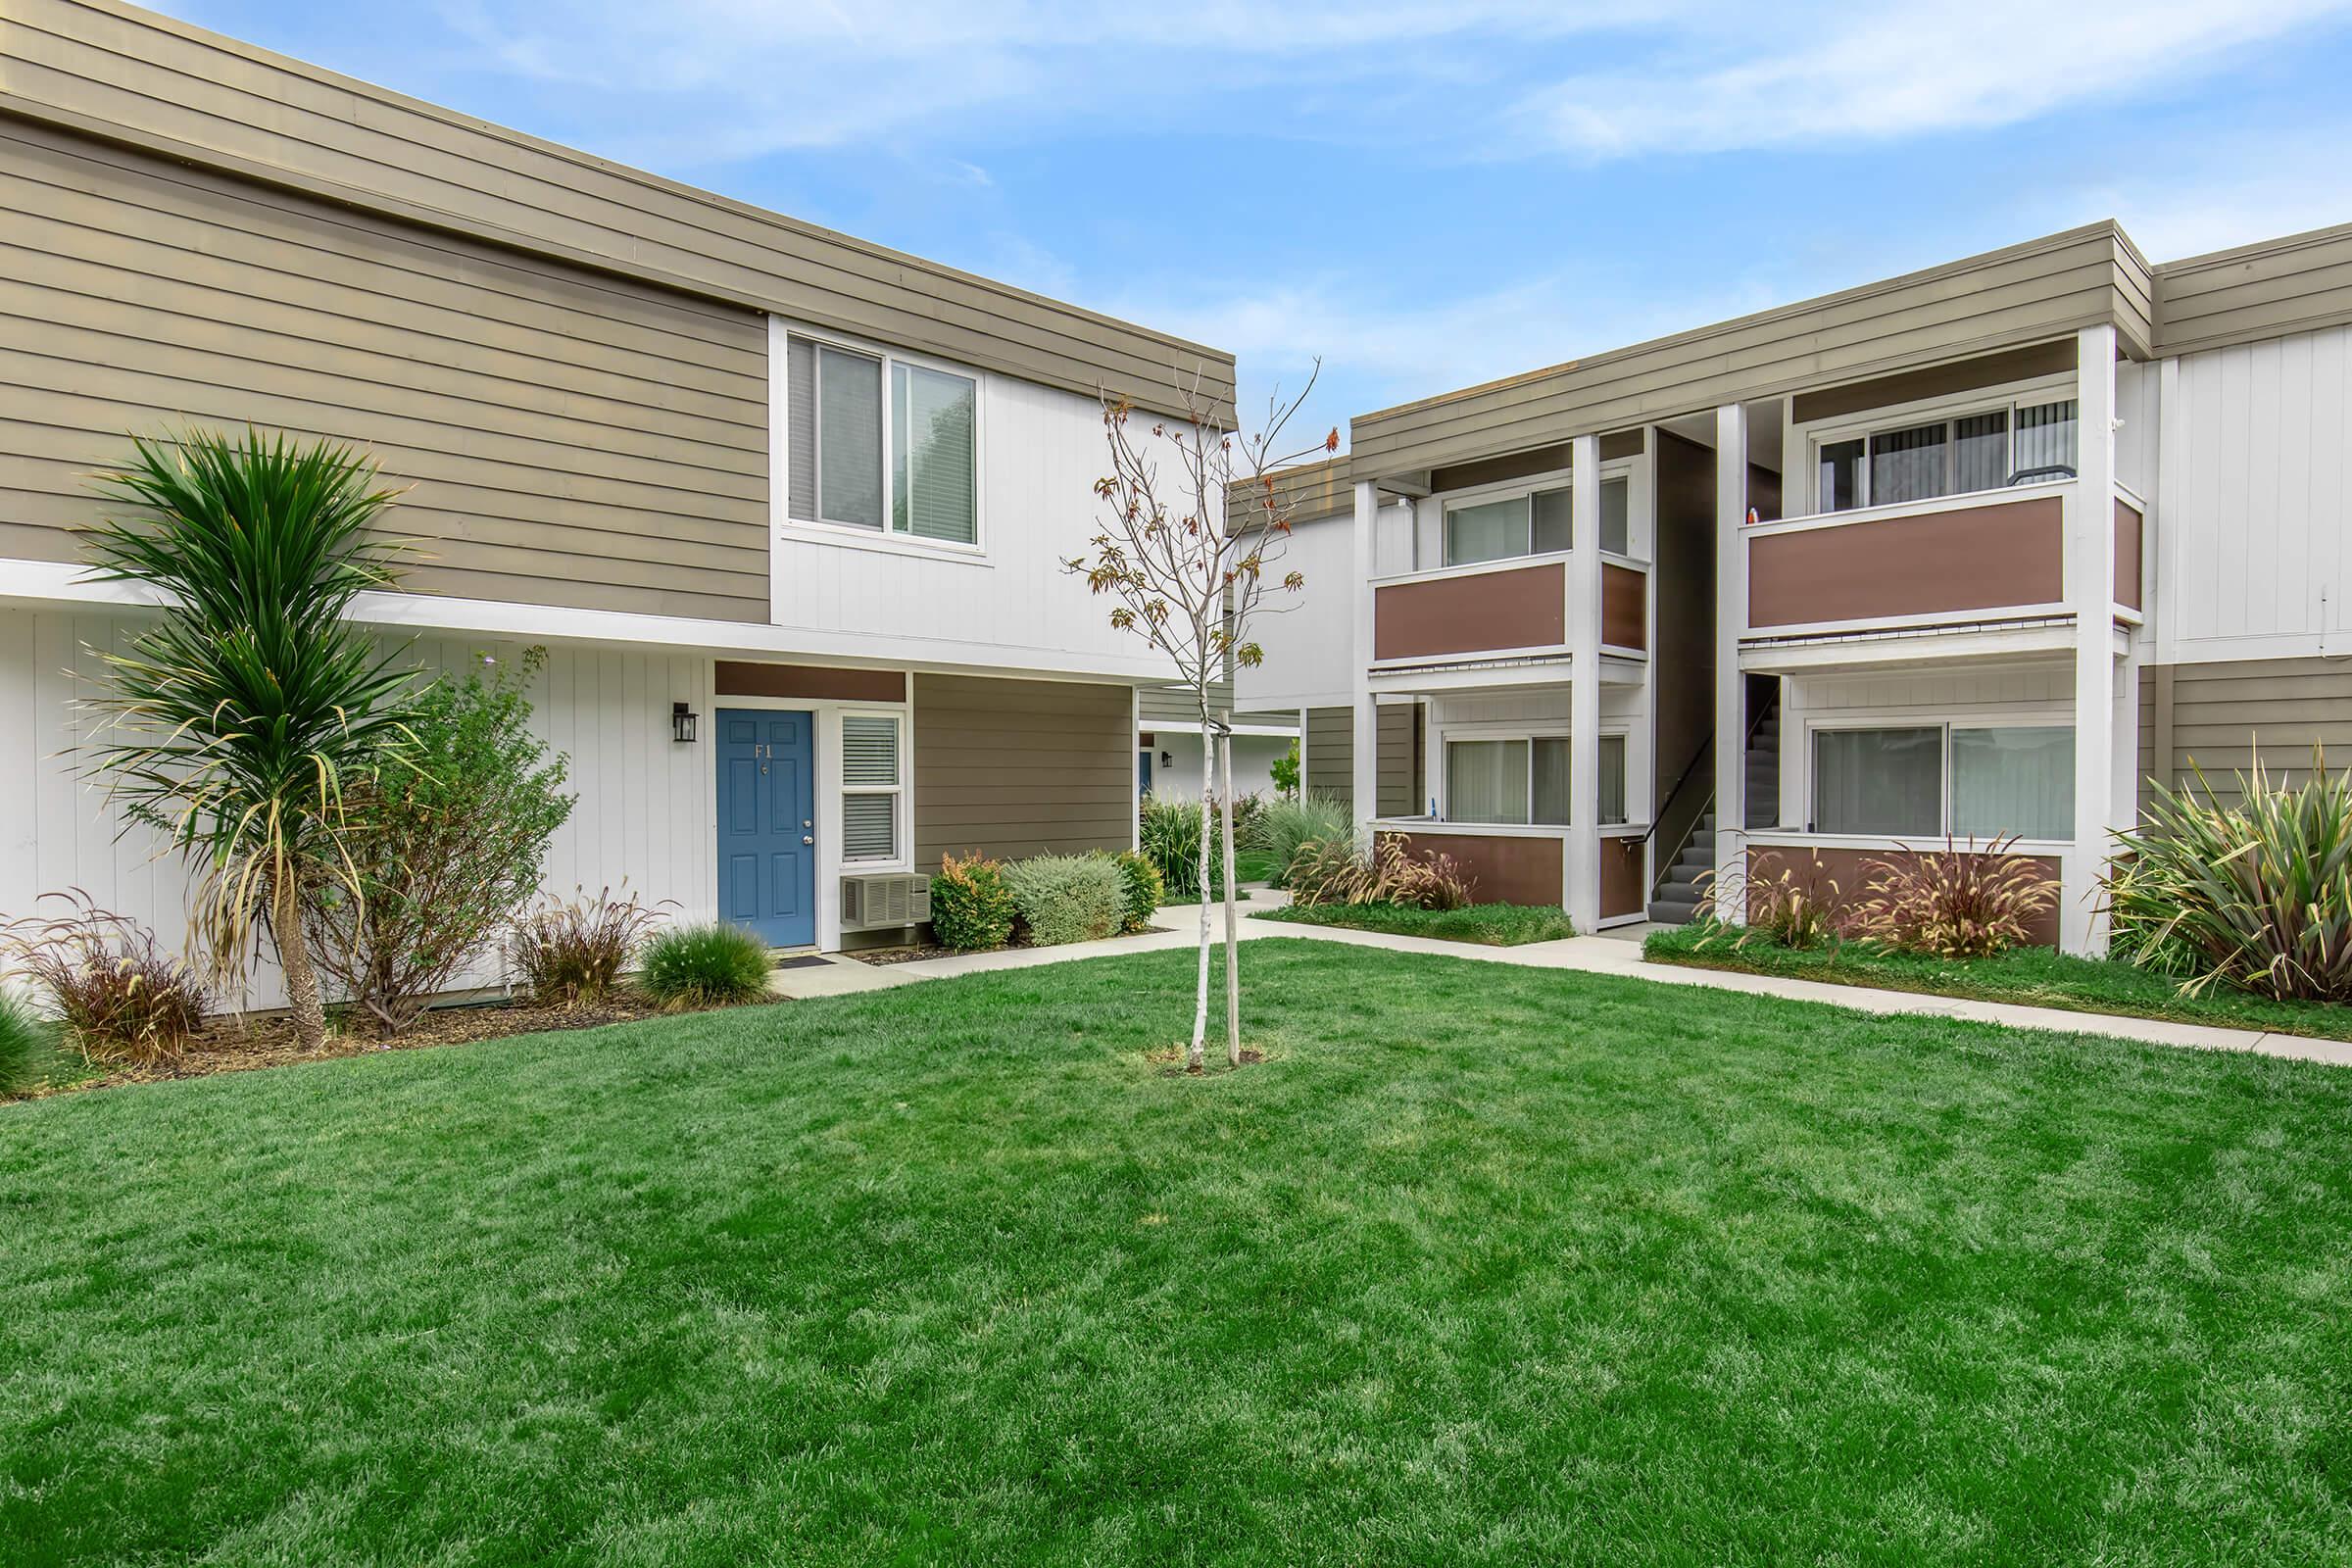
(1993, 556)
(1507, 868)
(1623, 607)
(1624, 889)
(1525, 608)
(2126, 552)
(1849, 871)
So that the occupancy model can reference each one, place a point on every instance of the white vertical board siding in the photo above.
(1040, 452)
(1308, 637)
(2250, 537)
(645, 818)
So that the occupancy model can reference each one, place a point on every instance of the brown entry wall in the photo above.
(1524, 608)
(1020, 767)
(1975, 558)
(1849, 871)
(1623, 607)
(1509, 871)
(1624, 889)
(2126, 552)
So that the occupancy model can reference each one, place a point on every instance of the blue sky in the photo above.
(1424, 194)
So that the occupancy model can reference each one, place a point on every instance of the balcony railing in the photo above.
(1996, 556)
(1500, 608)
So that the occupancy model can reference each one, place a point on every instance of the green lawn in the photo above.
(1494, 925)
(1486, 1264)
(2039, 977)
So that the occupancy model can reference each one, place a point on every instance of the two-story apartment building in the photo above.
(1972, 550)
(787, 509)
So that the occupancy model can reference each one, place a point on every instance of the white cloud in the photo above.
(1895, 70)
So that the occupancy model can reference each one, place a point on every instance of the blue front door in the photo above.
(767, 824)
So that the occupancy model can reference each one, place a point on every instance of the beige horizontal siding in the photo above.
(2024, 294)
(104, 68)
(1019, 767)
(1331, 753)
(2222, 717)
(561, 437)
(1403, 791)
(1308, 490)
(1166, 706)
(2297, 283)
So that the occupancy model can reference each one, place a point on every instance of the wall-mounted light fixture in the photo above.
(1167, 759)
(681, 724)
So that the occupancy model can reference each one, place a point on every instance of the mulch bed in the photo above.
(884, 958)
(232, 1044)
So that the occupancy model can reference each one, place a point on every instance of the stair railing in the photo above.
(1659, 817)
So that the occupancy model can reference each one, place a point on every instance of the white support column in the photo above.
(1367, 713)
(1731, 616)
(2090, 593)
(1581, 863)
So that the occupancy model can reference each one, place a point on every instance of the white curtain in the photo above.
(1877, 781)
(1908, 465)
(2017, 780)
(1552, 774)
(1489, 531)
(1486, 781)
(2045, 436)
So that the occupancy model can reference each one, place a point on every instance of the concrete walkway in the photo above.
(1607, 953)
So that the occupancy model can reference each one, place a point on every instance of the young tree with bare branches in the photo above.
(1190, 553)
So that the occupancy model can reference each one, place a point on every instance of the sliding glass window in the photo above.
(1962, 455)
(834, 438)
(2003, 780)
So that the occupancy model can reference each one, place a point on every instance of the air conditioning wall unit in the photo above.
(884, 899)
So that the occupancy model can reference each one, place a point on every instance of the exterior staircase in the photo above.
(1677, 897)
(1764, 772)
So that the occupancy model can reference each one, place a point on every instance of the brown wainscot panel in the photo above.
(1849, 871)
(1624, 889)
(1509, 871)
(738, 678)
(1623, 607)
(1525, 608)
(2128, 526)
(1977, 557)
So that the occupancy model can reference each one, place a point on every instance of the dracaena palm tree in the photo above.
(238, 719)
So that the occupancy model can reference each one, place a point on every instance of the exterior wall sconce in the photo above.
(681, 724)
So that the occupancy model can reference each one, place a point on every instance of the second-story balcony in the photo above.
(1519, 612)
(1987, 563)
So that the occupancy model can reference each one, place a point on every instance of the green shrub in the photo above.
(1145, 889)
(1956, 902)
(447, 846)
(1068, 898)
(971, 909)
(571, 951)
(2256, 896)
(714, 965)
(1170, 835)
(1285, 772)
(24, 1048)
(120, 998)
(1286, 825)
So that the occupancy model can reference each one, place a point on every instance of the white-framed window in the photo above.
(1987, 447)
(1540, 522)
(880, 442)
(1524, 780)
(1972, 779)
(873, 791)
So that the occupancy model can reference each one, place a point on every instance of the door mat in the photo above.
(806, 960)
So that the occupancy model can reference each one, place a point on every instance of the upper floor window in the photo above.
(1982, 449)
(1539, 523)
(873, 441)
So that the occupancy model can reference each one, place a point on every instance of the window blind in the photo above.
(800, 452)
(934, 494)
(850, 398)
